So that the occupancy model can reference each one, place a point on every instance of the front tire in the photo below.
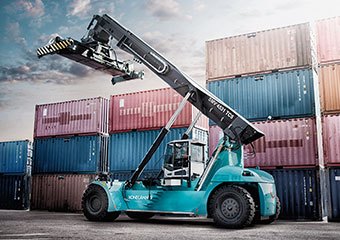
(232, 207)
(95, 204)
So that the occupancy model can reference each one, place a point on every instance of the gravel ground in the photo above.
(50, 225)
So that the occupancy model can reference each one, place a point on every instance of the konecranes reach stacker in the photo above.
(188, 184)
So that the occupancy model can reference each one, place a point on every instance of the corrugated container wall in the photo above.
(334, 188)
(80, 154)
(331, 139)
(330, 87)
(299, 193)
(14, 191)
(285, 94)
(328, 39)
(77, 117)
(286, 143)
(127, 149)
(279, 48)
(55, 192)
(15, 157)
(149, 110)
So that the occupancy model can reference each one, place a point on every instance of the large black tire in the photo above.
(95, 204)
(140, 215)
(276, 216)
(232, 207)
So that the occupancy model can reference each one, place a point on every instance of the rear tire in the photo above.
(140, 215)
(276, 216)
(232, 207)
(95, 204)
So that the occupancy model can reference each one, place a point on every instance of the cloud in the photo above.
(45, 73)
(79, 70)
(165, 10)
(14, 33)
(51, 68)
(31, 9)
(79, 8)
(199, 6)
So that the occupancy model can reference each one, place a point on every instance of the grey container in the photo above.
(334, 192)
(299, 193)
(14, 191)
(285, 94)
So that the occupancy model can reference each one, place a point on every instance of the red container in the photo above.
(77, 117)
(149, 110)
(56, 192)
(280, 48)
(287, 143)
(331, 139)
(328, 39)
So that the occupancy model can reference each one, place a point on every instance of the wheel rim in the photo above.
(94, 203)
(230, 208)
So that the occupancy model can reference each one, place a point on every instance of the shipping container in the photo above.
(287, 143)
(77, 117)
(263, 51)
(299, 193)
(127, 149)
(328, 38)
(148, 110)
(57, 192)
(334, 190)
(277, 95)
(15, 157)
(331, 139)
(77, 154)
(14, 191)
(330, 88)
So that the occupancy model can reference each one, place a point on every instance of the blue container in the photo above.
(299, 193)
(14, 191)
(127, 149)
(78, 154)
(284, 94)
(15, 157)
(334, 190)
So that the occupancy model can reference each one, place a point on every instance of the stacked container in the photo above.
(70, 148)
(15, 174)
(328, 38)
(135, 121)
(270, 78)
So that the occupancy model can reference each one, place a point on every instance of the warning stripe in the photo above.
(54, 47)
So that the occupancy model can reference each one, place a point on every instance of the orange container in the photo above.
(329, 78)
(279, 48)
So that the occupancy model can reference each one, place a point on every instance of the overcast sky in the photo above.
(177, 29)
